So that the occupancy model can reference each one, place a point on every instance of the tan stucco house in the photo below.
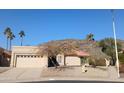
(28, 56)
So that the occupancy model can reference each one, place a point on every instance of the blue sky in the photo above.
(45, 25)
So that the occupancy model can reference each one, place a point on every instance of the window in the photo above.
(18, 56)
(24, 56)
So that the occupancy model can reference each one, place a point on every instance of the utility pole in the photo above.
(116, 48)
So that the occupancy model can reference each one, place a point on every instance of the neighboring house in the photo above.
(5, 57)
(28, 56)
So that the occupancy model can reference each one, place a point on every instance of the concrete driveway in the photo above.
(4, 69)
(20, 74)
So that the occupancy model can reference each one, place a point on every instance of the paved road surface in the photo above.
(75, 81)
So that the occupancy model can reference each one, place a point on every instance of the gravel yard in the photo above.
(100, 72)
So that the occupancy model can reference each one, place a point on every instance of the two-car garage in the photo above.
(28, 57)
(31, 61)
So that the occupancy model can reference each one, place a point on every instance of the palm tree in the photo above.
(7, 33)
(90, 37)
(21, 34)
(12, 36)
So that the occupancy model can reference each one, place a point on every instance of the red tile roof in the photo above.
(82, 53)
(78, 53)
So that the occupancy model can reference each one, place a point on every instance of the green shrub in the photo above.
(121, 58)
(83, 60)
(100, 62)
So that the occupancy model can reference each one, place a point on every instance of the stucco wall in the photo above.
(27, 56)
(69, 60)
(60, 59)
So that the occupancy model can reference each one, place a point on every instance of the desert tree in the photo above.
(108, 47)
(52, 50)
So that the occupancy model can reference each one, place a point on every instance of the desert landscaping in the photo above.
(67, 46)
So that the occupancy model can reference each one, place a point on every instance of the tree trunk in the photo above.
(53, 62)
(113, 61)
(64, 61)
(7, 44)
(10, 45)
(21, 40)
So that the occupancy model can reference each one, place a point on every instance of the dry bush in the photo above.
(97, 62)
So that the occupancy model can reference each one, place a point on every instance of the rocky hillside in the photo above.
(88, 46)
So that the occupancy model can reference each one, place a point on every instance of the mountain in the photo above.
(87, 46)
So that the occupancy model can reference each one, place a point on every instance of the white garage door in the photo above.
(31, 61)
(73, 61)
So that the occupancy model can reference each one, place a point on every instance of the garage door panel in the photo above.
(73, 61)
(27, 61)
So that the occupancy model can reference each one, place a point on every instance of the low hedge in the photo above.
(121, 58)
(97, 62)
